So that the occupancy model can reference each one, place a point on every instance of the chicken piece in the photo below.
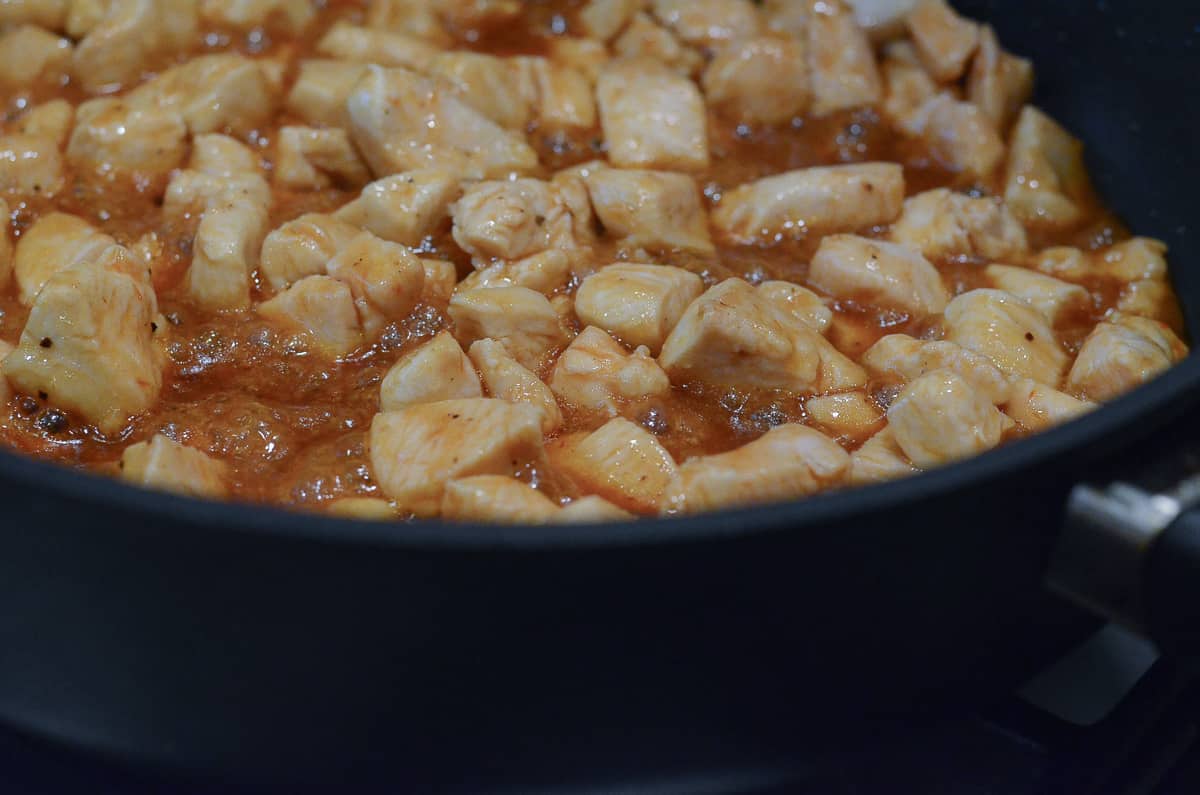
(841, 60)
(312, 159)
(225, 250)
(302, 247)
(29, 54)
(596, 374)
(1146, 297)
(322, 309)
(604, 19)
(50, 14)
(1122, 353)
(213, 93)
(1063, 262)
(30, 165)
(508, 379)
(403, 208)
(5, 390)
(544, 272)
(165, 464)
(289, 17)
(961, 137)
(645, 38)
(640, 304)
(114, 139)
(941, 224)
(521, 319)
(879, 459)
(999, 83)
(417, 450)
(944, 40)
(849, 415)
(512, 219)
(939, 418)
(346, 42)
(88, 343)
(1009, 331)
(652, 117)
(1039, 407)
(708, 22)
(881, 19)
(589, 510)
(55, 242)
(786, 17)
(620, 462)
(440, 277)
(467, 15)
(1133, 259)
(800, 303)
(321, 89)
(385, 278)
(586, 56)
(1046, 178)
(370, 509)
(902, 358)
(221, 156)
(1048, 295)
(812, 201)
(130, 38)
(436, 370)
(786, 462)
(907, 87)
(762, 80)
(412, 17)
(563, 96)
(496, 87)
(52, 120)
(879, 273)
(436, 129)
(496, 499)
(651, 210)
(734, 336)
(6, 249)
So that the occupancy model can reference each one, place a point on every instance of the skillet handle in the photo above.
(1171, 589)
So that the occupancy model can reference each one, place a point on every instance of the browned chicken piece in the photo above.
(302, 247)
(999, 83)
(645, 38)
(941, 223)
(403, 208)
(1045, 178)
(508, 379)
(1122, 353)
(760, 80)
(321, 309)
(939, 418)
(848, 415)
(902, 358)
(30, 55)
(652, 117)
(708, 22)
(347, 42)
(435, 370)
(1009, 331)
(165, 464)
(604, 19)
(590, 509)
(620, 462)
(1039, 407)
(597, 375)
(879, 273)
(650, 210)
(638, 303)
(385, 278)
(944, 40)
(55, 242)
(1048, 295)
(321, 88)
(496, 498)
(308, 158)
(879, 459)
(521, 319)
(841, 59)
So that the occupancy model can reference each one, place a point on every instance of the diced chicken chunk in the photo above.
(603, 19)
(88, 343)
(213, 93)
(1046, 177)
(312, 159)
(1063, 262)
(1149, 298)
(417, 450)
(52, 120)
(288, 16)
(131, 37)
(1123, 353)
(370, 509)
(401, 121)
(513, 219)
(508, 379)
(1039, 407)
(799, 302)
(496, 87)
(640, 304)
(474, 14)
(113, 138)
(849, 415)
(50, 14)
(940, 224)
(879, 459)
(881, 19)
(900, 357)
(563, 95)
(414, 17)
(165, 464)
(907, 87)
(55, 242)
(1133, 259)
(959, 133)
(940, 418)
(440, 278)
(437, 370)
(590, 509)
(322, 309)
(645, 38)
(596, 374)
(221, 156)
(841, 60)
(523, 320)
(29, 54)
(787, 462)
(385, 278)
(708, 22)
(30, 165)
(545, 272)
(879, 273)
(651, 210)
(498, 499)
(347, 42)
(1048, 295)
(816, 200)
(761, 80)
(586, 56)
(302, 247)
(621, 462)
(999, 83)
(945, 40)
(321, 89)
(652, 117)
(1009, 331)
(403, 208)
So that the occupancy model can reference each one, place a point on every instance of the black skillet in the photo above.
(208, 635)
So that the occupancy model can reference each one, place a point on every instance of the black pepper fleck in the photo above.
(46, 342)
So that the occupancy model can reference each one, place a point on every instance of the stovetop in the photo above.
(1109, 718)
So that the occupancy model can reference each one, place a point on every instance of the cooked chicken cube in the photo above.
(1048, 295)
(436, 370)
(370, 509)
(523, 320)
(414, 17)
(564, 97)
(800, 303)
(302, 247)
(474, 14)
(321, 88)
(762, 80)
(165, 464)
(596, 374)
(312, 159)
(959, 134)
(812, 201)
(347, 42)
(621, 462)
(113, 138)
(881, 19)
(945, 40)
(850, 415)
(213, 93)
(1009, 331)
(496, 87)
(222, 156)
(900, 357)
(651, 210)
(841, 60)
(939, 417)
(440, 278)
(879, 273)
(1123, 353)
(941, 223)
(907, 87)
(508, 379)
(224, 252)
(496, 498)
(786, 462)
(29, 54)
(1151, 298)
(1133, 259)
(1045, 178)
(435, 129)
(645, 38)
(320, 308)
(130, 38)
(879, 459)
(590, 509)
(545, 272)
(603, 19)
(287, 16)
(403, 208)
(512, 219)
(708, 22)
(586, 56)
(652, 117)
(55, 242)
(640, 304)
(1063, 262)
(88, 343)
(417, 450)
(52, 120)
(49, 14)
(999, 83)
(385, 278)
(30, 165)
(1039, 407)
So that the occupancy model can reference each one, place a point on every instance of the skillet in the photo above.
(224, 637)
